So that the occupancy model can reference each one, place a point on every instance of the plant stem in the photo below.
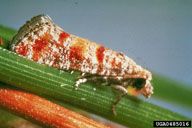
(6, 34)
(43, 111)
(50, 82)
(43, 80)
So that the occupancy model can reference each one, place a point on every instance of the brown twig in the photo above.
(43, 111)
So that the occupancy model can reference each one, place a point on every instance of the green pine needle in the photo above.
(46, 81)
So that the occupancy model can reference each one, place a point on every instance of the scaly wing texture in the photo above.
(43, 41)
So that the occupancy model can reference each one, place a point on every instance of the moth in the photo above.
(41, 40)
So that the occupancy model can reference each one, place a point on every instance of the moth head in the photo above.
(139, 83)
(147, 90)
(140, 86)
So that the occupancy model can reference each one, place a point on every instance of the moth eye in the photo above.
(139, 83)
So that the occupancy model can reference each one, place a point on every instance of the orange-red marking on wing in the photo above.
(113, 62)
(100, 54)
(78, 50)
(63, 36)
(22, 49)
(41, 45)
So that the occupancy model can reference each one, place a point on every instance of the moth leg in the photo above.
(79, 81)
(83, 74)
(72, 72)
(86, 77)
(124, 92)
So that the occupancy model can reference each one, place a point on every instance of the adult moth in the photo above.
(43, 41)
